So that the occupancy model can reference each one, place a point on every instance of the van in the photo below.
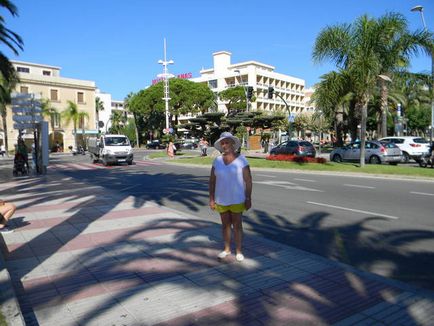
(110, 149)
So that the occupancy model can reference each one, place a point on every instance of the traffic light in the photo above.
(270, 92)
(249, 92)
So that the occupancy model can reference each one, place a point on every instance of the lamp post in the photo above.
(420, 10)
(166, 76)
(245, 89)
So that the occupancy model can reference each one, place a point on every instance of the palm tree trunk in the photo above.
(339, 126)
(75, 136)
(5, 137)
(384, 96)
(364, 112)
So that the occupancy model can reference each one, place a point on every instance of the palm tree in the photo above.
(6, 87)
(99, 106)
(82, 116)
(118, 120)
(355, 48)
(127, 101)
(10, 39)
(396, 48)
(71, 113)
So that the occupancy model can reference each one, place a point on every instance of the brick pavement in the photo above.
(82, 255)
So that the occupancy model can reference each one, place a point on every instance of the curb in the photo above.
(8, 300)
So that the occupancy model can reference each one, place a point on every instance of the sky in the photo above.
(118, 44)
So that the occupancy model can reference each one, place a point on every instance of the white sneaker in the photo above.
(6, 230)
(223, 254)
(239, 257)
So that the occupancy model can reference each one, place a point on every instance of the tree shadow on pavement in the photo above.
(149, 271)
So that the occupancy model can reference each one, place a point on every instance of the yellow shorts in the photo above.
(235, 208)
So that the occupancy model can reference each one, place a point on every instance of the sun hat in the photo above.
(224, 135)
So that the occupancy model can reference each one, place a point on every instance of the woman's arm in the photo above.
(211, 186)
(247, 176)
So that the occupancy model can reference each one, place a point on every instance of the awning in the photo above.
(86, 132)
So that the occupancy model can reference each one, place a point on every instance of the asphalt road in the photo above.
(381, 225)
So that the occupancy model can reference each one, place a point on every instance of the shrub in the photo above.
(296, 159)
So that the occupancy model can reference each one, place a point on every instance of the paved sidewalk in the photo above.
(81, 255)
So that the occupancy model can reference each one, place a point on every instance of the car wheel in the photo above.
(130, 162)
(405, 157)
(393, 163)
(374, 160)
(337, 158)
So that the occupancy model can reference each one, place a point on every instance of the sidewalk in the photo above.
(82, 255)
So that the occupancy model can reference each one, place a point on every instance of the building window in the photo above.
(212, 83)
(23, 69)
(24, 90)
(46, 72)
(54, 95)
(80, 97)
(55, 120)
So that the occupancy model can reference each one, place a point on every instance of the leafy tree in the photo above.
(135, 115)
(118, 121)
(99, 106)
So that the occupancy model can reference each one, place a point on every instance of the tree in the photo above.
(118, 121)
(99, 106)
(6, 87)
(355, 48)
(127, 100)
(12, 40)
(71, 113)
(82, 116)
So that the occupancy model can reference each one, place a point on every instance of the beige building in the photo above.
(258, 75)
(45, 81)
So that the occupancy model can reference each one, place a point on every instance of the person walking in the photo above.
(230, 191)
(6, 212)
(171, 150)
(203, 144)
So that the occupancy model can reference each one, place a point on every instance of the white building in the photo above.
(258, 75)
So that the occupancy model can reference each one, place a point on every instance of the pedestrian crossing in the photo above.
(82, 166)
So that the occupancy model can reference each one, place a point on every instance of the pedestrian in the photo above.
(203, 144)
(6, 212)
(171, 149)
(2, 150)
(230, 191)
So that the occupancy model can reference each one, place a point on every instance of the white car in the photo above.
(411, 147)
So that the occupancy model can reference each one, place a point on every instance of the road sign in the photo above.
(21, 126)
(291, 117)
(27, 118)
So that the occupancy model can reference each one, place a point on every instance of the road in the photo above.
(381, 225)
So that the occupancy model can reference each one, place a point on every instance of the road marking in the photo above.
(421, 193)
(354, 210)
(358, 186)
(306, 180)
(286, 185)
(266, 175)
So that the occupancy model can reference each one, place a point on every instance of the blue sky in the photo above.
(117, 43)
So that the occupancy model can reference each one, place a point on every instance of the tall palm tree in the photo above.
(6, 87)
(12, 40)
(99, 106)
(82, 116)
(396, 48)
(71, 113)
(127, 102)
(355, 48)
(118, 120)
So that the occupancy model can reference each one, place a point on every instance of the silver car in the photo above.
(376, 152)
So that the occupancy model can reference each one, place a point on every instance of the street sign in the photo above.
(26, 110)
(21, 126)
(27, 118)
(291, 117)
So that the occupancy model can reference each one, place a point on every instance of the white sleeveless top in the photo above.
(230, 186)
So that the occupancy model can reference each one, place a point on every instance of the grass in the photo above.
(161, 154)
(2, 320)
(399, 170)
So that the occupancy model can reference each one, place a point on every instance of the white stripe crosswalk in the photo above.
(90, 166)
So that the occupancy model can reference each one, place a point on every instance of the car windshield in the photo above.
(116, 141)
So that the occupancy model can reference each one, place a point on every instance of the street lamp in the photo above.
(420, 10)
(165, 75)
(245, 89)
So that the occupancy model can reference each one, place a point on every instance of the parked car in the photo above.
(155, 144)
(188, 144)
(294, 147)
(376, 152)
(411, 147)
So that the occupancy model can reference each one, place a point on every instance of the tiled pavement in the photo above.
(81, 255)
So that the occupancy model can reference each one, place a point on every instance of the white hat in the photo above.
(224, 135)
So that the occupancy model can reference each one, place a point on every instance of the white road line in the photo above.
(266, 175)
(286, 185)
(421, 193)
(354, 210)
(358, 186)
(306, 180)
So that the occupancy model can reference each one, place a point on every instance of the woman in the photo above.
(171, 150)
(230, 190)
(6, 212)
